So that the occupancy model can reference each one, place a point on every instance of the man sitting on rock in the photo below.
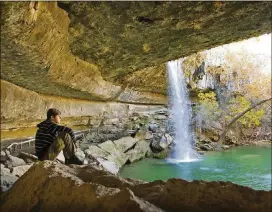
(52, 138)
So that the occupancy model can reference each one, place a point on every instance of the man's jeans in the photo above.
(63, 142)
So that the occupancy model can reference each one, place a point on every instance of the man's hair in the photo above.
(52, 112)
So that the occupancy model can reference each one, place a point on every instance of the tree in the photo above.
(207, 111)
(222, 136)
(250, 119)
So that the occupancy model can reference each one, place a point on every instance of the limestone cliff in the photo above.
(89, 50)
(108, 51)
(21, 107)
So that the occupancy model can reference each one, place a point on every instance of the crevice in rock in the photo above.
(142, 19)
(130, 148)
(65, 6)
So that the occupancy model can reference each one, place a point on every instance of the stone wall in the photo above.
(21, 107)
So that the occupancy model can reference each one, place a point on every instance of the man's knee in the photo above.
(67, 140)
(65, 136)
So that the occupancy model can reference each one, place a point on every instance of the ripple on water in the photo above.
(205, 168)
(171, 160)
(218, 170)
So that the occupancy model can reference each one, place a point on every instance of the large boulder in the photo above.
(108, 165)
(125, 143)
(7, 179)
(115, 155)
(107, 151)
(161, 142)
(95, 151)
(159, 155)
(14, 161)
(139, 151)
(91, 188)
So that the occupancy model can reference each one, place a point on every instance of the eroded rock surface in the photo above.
(115, 50)
(107, 51)
(85, 188)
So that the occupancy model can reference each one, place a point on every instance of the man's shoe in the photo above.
(73, 160)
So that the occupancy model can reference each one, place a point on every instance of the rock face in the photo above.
(107, 51)
(90, 188)
(151, 33)
(93, 50)
(74, 111)
(18, 171)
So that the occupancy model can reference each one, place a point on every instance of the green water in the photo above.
(248, 166)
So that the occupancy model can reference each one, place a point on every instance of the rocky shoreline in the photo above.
(91, 188)
(116, 143)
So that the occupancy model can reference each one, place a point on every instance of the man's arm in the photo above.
(58, 128)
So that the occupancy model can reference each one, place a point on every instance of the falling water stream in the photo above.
(180, 110)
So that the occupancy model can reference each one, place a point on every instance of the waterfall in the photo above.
(180, 114)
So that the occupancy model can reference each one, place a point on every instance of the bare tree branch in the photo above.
(223, 135)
